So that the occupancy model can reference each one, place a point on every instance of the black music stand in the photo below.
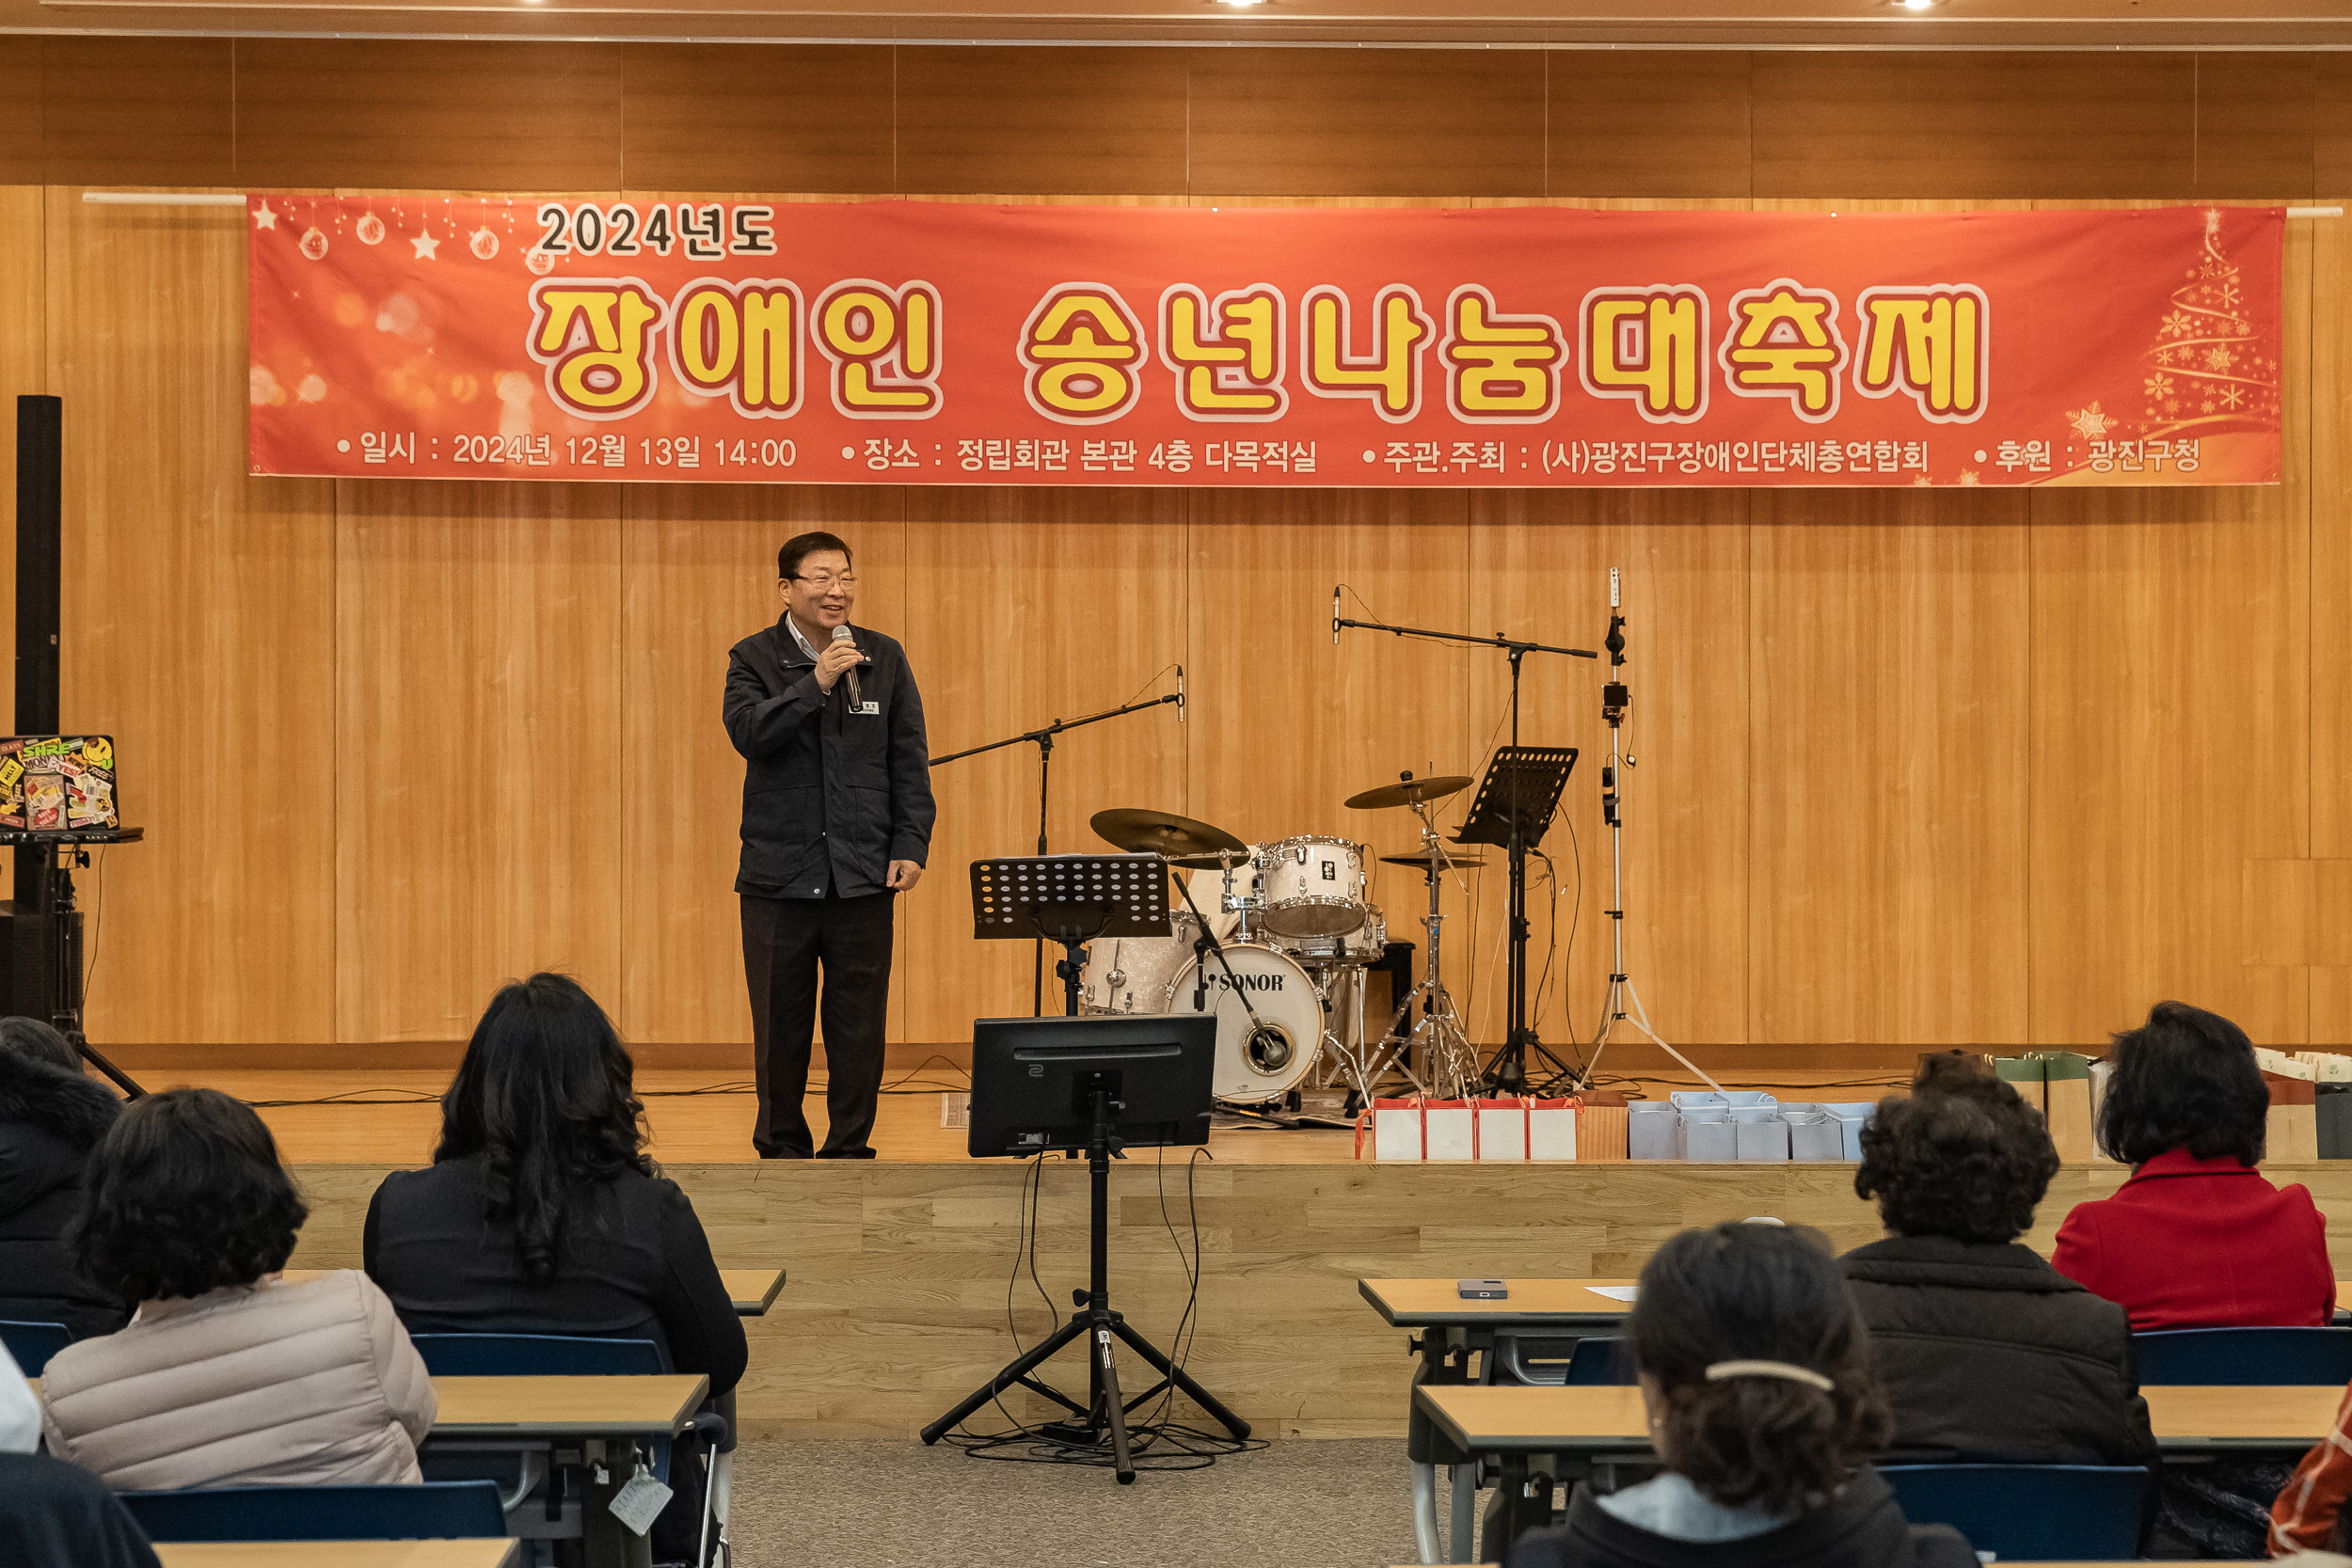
(1069, 899)
(1513, 811)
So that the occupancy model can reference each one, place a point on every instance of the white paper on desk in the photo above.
(1614, 1292)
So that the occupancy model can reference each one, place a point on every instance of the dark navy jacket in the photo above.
(826, 789)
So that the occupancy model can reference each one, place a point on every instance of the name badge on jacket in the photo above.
(871, 710)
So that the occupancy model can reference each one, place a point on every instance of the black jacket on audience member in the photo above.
(50, 1119)
(1989, 1355)
(55, 1514)
(633, 1264)
(1862, 1526)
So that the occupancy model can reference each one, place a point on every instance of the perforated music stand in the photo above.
(1513, 811)
(1069, 899)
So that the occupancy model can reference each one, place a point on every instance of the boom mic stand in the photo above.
(1044, 739)
(1521, 1036)
(1623, 1003)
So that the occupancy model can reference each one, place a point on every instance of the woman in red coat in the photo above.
(2196, 1238)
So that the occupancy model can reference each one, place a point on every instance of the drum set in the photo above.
(1296, 931)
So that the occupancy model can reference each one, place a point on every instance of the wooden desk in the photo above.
(1557, 1306)
(344, 1554)
(751, 1291)
(1532, 1430)
(616, 1408)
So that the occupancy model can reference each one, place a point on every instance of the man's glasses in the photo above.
(825, 582)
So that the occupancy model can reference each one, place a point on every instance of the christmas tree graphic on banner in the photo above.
(2207, 374)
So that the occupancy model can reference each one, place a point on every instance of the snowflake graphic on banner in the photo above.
(2206, 371)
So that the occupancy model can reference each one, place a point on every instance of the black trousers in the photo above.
(786, 943)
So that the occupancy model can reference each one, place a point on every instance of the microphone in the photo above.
(1179, 694)
(841, 633)
(1335, 616)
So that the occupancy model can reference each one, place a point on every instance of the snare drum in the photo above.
(1315, 887)
(1367, 944)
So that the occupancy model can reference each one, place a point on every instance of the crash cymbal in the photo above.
(1211, 862)
(1412, 792)
(1162, 832)
(1447, 860)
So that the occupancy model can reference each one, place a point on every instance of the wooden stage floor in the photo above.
(690, 1123)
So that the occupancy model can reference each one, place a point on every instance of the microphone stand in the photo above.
(1044, 741)
(1509, 1066)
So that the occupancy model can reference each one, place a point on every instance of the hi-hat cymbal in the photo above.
(1412, 792)
(1446, 859)
(1162, 832)
(1211, 863)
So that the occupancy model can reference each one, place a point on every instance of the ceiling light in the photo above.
(1914, 5)
(1239, 4)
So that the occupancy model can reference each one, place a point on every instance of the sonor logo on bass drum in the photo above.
(1249, 982)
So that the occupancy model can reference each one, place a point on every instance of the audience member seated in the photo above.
(2196, 1238)
(56, 1516)
(227, 1375)
(1765, 1409)
(2309, 1512)
(51, 1118)
(1988, 1355)
(541, 1213)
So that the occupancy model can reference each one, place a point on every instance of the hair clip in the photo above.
(1722, 1371)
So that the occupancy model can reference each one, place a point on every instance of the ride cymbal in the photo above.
(1412, 792)
(1161, 832)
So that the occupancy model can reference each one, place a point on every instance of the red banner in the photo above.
(925, 342)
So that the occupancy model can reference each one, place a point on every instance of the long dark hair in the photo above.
(2186, 1079)
(1756, 1292)
(546, 1094)
(183, 1194)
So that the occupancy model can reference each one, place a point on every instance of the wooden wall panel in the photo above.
(477, 747)
(416, 115)
(1887, 728)
(150, 111)
(1609, 133)
(1056, 121)
(23, 367)
(2330, 471)
(205, 647)
(698, 575)
(20, 110)
(2254, 123)
(1539, 569)
(1974, 125)
(1027, 607)
(1367, 122)
(708, 116)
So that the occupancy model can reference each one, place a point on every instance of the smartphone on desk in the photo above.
(1482, 1290)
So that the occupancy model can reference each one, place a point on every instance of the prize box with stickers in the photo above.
(58, 783)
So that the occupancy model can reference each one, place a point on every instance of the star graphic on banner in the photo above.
(2092, 423)
(1968, 476)
(425, 244)
(263, 217)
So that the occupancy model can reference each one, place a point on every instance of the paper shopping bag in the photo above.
(2066, 1086)
(1601, 1132)
(1395, 1127)
(2293, 1133)
(1814, 1134)
(1448, 1132)
(1501, 1131)
(2026, 1074)
(1649, 1132)
(1761, 1137)
(2334, 1114)
(1551, 1128)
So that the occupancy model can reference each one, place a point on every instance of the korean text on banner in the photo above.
(947, 344)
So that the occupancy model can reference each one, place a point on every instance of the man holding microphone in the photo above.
(836, 823)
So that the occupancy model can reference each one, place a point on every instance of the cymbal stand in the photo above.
(1448, 1061)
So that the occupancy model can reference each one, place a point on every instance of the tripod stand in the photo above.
(1044, 739)
(1105, 1411)
(46, 934)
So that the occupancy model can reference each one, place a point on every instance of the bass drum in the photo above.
(1131, 974)
(1270, 1061)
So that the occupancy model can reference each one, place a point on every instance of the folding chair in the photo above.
(2245, 1357)
(2039, 1512)
(33, 1344)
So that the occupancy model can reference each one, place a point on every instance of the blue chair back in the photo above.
(2039, 1512)
(33, 1344)
(433, 1508)
(1596, 1364)
(538, 1356)
(2244, 1356)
